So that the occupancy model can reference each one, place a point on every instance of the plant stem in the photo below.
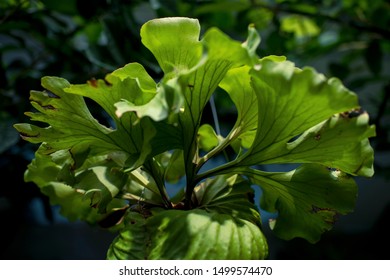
(151, 166)
(191, 183)
(222, 169)
(220, 148)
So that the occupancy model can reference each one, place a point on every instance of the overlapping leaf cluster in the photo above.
(285, 115)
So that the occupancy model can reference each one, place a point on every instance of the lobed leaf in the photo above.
(340, 142)
(285, 115)
(133, 240)
(53, 175)
(174, 53)
(198, 234)
(301, 117)
(225, 225)
(308, 200)
(207, 138)
(237, 83)
(228, 194)
(292, 101)
(196, 65)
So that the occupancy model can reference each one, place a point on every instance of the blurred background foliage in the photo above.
(84, 39)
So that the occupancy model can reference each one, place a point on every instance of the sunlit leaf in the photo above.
(155, 131)
(71, 123)
(207, 138)
(199, 234)
(340, 142)
(198, 65)
(174, 53)
(238, 85)
(133, 241)
(292, 101)
(226, 225)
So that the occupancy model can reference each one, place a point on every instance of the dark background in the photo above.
(79, 40)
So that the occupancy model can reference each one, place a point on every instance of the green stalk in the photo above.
(154, 170)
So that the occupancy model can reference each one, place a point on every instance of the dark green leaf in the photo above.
(53, 175)
(230, 195)
(308, 200)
